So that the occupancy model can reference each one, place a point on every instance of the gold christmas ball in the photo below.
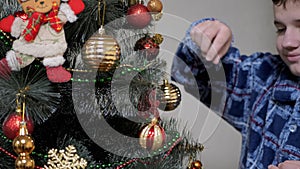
(169, 96)
(157, 16)
(155, 6)
(24, 162)
(23, 144)
(158, 38)
(152, 136)
(196, 165)
(132, 2)
(101, 52)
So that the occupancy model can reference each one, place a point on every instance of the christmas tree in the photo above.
(100, 107)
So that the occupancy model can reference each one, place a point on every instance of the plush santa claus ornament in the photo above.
(40, 35)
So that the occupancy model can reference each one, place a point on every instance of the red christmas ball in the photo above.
(148, 47)
(152, 136)
(138, 16)
(11, 126)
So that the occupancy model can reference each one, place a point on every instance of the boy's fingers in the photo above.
(219, 47)
(196, 33)
(209, 34)
(204, 33)
(213, 38)
(293, 162)
(199, 37)
(272, 167)
(289, 165)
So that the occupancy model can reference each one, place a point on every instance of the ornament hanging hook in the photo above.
(101, 20)
(20, 101)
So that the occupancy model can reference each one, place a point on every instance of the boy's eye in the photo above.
(280, 30)
(279, 26)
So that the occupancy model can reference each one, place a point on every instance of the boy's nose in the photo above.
(291, 39)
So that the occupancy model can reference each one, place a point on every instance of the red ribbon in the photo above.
(38, 19)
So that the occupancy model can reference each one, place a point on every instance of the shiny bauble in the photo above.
(152, 136)
(138, 16)
(23, 144)
(132, 2)
(157, 16)
(147, 47)
(101, 52)
(169, 96)
(24, 162)
(155, 6)
(11, 125)
(158, 38)
(196, 165)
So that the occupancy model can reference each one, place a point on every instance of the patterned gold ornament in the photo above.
(169, 96)
(63, 159)
(196, 165)
(23, 145)
(155, 6)
(24, 162)
(158, 38)
(101, 52)
(152, 136)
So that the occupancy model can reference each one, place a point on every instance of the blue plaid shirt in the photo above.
(261, 99)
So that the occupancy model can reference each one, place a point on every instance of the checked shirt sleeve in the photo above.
(188, 68)
(209, 83)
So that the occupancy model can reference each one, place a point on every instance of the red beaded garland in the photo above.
(7, 153)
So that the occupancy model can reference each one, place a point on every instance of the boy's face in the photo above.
(287, 22)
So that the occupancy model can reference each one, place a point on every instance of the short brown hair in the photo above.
(281, 2)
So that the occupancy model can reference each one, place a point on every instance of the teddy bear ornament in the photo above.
(41, 35)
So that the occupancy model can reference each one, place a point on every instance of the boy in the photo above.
(262, 91)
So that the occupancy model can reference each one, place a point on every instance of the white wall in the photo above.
(252, 26)
(251, 21)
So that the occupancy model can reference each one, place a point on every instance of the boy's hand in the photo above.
(214, 39)
(286, 165)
